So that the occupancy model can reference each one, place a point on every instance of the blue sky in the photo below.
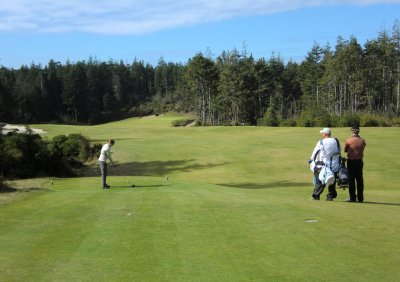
(40, 30)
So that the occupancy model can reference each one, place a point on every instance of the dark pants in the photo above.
(319, 188)
(355, 168)
(103, 169)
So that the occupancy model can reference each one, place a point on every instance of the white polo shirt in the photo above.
(105, 153)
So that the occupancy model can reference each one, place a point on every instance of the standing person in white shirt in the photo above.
(328, 152)
(104, 155)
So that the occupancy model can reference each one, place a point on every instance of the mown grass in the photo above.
(234, 208)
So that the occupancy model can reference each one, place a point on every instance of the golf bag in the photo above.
(326, 176)
(325, 171)
(316, 167)
(343, 175)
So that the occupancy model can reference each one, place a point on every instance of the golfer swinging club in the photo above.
(104, 155)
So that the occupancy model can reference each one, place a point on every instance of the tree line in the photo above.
(348, 80)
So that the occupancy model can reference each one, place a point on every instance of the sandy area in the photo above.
(21, 129)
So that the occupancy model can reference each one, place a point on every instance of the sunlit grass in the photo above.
(210, 204)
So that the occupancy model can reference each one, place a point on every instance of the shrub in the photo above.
(27, 155)
(94, 151)
(77, 146)
(375, 120)
(322, 120)
(261, 122)
(384, 122)
(369, 121)
(395, 121)
(269, 119)
(346, 120)
(290, 122)
(23, 155)
(306, 119)
(2, 184)
(182, 122)
(73, 146)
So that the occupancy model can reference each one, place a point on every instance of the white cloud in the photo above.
(139, 16)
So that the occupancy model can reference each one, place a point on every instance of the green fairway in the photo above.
(210, 204)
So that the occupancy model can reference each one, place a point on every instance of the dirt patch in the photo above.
(20, 129)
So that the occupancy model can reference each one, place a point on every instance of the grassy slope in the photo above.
(234, 209)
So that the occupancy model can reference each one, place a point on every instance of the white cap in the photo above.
(326, 130)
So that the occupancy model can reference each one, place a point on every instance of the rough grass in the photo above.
(234, 208)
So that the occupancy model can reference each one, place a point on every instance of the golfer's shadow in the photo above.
(268, 185)
(138, 186)
(380, 203)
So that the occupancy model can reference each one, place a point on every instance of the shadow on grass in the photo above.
(137, 186)
(14, 190)
(153, 168)
(115, 139)
(277, 184)
(381, 203)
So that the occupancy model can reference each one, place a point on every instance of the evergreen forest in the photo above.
(332, 86)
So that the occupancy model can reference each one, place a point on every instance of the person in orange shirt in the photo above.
(354, 148)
